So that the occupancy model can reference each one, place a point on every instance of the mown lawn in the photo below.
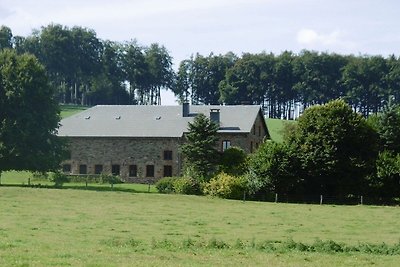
(65, 227)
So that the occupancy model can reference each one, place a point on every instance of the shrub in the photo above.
(226, 186)
(110, 179)
(166, 185)
(59, 179)
(187, 186)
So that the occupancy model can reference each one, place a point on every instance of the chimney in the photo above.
(185, 109)
(214, 115)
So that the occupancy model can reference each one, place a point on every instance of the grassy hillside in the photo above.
(89, 228)
(276, 128)
(68, 110)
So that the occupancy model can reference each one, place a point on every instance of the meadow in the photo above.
(132, 225)
(69, 227)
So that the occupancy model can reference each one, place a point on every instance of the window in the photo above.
(132, 170)
(149, 170)
(98, 169)
(66, 168)
(82, 169)
(226, 144)
(251, 147)
(167, 170)
(256, 145)
(167, 155)
(254, 129)
(115, 169)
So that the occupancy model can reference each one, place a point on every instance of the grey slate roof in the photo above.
(151, 121)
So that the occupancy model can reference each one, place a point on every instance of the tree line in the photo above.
(334, 151)
(84, 69)
(287, 83)
(87, 70)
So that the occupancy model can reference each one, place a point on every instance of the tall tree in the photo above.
(161, 75)
(29, 116)
(331, 143)
(199, 150)
(136, 72)
(5, 37)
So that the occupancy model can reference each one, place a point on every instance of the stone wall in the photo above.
(108, 151)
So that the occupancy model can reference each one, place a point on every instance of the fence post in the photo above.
(320, 200)
(29, 181)
(276, 197)
(148, 189)
(361, 200)
(244, 196)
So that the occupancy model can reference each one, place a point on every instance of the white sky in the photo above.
(185, 27)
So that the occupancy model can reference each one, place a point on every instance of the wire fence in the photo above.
(328, 199)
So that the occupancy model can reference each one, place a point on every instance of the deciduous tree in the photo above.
(29, 116)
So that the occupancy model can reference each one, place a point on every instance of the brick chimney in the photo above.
(215, 115)
(185, 109)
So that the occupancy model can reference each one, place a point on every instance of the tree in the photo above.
(5, 37)
(386, 183)
(201, 155)
(276, 166)
(233, 161)
(160, 73)
(29, 116)
(388, 128)
(336, 147)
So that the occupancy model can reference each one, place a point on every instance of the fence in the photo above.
(327, 199)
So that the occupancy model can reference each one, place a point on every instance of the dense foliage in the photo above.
(288, 83)
(29, 116)
(84, 69)
(87, 70)
(332, 151)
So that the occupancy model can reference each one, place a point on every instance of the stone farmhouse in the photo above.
(141, 143)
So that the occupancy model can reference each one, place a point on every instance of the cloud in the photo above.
(310, 38)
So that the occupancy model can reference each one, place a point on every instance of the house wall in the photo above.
(110, 151)
(249, 142)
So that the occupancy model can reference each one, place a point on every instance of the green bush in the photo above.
(166, 185)
(110, 179)
(187, 186)
(59, 179)
(226, 186)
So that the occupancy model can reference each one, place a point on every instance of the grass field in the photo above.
(89, 228)
(128, 226)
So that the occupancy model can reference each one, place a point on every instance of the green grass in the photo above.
(69, 110)
(276, 128)
(24, 178)
(91, 228)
